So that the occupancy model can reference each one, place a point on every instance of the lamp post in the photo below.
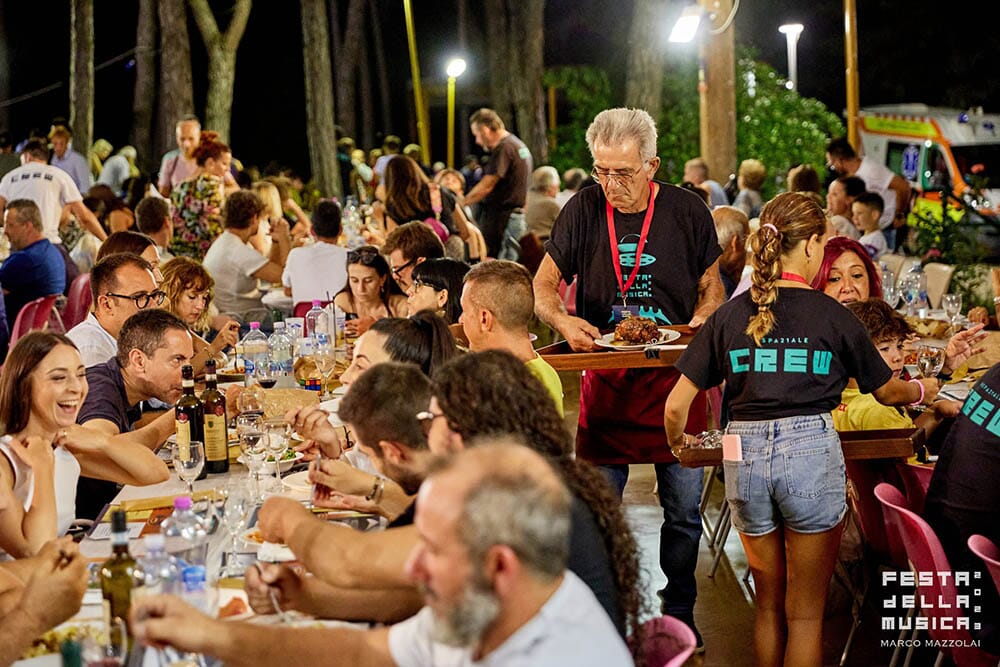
(791, 31)
(423, 131)
(456, 66)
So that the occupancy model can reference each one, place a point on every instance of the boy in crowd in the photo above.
(866, 211)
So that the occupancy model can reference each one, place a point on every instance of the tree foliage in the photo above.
(585, 91)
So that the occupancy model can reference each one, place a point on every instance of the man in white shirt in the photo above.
(50, 188)
(318, 271)
(493, 525)
(236, 265)
(121, 285)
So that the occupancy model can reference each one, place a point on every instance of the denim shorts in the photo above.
(792, 474)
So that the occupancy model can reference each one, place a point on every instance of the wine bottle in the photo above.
(216, 436)
(189, 416)
(120, 576)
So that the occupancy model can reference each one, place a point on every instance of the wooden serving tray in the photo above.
(858, 445)
(562, 358)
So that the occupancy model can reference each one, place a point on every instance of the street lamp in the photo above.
(791, 31)
(456, 66)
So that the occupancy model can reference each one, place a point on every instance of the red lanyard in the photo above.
(795, 278)
(615, 260)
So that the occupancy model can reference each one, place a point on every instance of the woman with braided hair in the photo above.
(786, 352)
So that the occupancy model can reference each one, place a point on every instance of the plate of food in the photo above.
(635, 334)
(288, 459)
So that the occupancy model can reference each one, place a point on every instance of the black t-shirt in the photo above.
(680, 246)
(963, 498)
(511, 162)
(802, 365)
(106, 399)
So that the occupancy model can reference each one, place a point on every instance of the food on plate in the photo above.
(255, 536)
(234, 607)
(51, 641)
(928, 328)
(637, 331)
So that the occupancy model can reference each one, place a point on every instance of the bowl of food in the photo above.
(288, 459)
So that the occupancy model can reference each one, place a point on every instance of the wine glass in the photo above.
(325, 358)
(108, 651)
(890, 293)
(253, 446)
(930, 359)
(277, 445)
(266, 375)
(248, 422)
(189, 460)
(952, 304)
(234, 516)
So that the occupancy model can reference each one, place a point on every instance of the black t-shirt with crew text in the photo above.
(801, 366)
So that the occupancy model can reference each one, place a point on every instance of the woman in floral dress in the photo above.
(198, 201)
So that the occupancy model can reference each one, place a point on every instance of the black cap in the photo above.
(118, 524)
(187, 372)
(209, 366)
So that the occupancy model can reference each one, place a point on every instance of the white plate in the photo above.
(284, 466)
(298, 481)
(226, 595)
(608, 341)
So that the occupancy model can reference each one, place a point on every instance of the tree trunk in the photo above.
(81, 74)
(145, 85)
(499, 57)
(525, 36)
(644, 83)
(367, 137)
(347, 66)
(319, 98)
(383, 71)
(221, 47)
(176, 98)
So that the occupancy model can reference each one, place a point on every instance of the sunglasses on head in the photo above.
(362, 256)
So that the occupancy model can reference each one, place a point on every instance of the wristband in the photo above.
(923, 392)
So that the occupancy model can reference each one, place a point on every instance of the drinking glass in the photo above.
(188, 462)
(277, 445)
(890, 293)
(253, 446)
(108, 651)
(234, 516)
(930, 359)
(325, 358)
(248, 422)
(952, 304)
(266, 375)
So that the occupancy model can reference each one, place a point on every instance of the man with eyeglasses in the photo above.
(408, 245)
(121, 285)
(503, 188)
(636, 247)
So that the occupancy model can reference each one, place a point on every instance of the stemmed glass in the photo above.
(253, 446)
(188, 462)
(890, 293)
(930, 360)
(234, 516)
(952, 304)
(248, 422)
(277, 445)
(325, 358)
(110, 651)
(266, 375)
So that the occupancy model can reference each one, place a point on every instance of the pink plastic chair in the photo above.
(925, 553)
(667, 642)
(983, 547)
(36, 315)
(916, 479)
(78, 301)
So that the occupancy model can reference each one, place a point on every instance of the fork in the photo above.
(283, 615)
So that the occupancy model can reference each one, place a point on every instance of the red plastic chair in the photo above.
(35, 316)
(983, 547)
(916, 479)
(78, 301)
(925, 553)
(302, 307)
(667, 642)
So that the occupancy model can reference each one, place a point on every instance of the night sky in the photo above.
(904, 56)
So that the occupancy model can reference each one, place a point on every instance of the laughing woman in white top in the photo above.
(42, 387)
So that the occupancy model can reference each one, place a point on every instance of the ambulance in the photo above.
(938, 149)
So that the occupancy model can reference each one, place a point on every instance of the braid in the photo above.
(766, 245)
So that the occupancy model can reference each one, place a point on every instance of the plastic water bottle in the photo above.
(340, 325)
(915, 292)
(280, 349)
(255, 353)
(317, 320)
(162, 571)
(185, 535)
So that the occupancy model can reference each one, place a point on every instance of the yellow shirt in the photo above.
(548, 376)
(861, 412)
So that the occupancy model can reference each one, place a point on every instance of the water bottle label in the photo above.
(248, 366)
(193, 577)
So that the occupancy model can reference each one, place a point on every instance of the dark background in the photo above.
(916, 51)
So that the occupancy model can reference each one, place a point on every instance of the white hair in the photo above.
(544, 178)
(613, 127)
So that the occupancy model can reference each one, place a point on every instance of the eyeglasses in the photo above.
(418, 283)
(362, 256)
(621, 177)
(141, 300)
(397, 270)
(426, 418)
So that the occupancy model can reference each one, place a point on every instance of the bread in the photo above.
(276, 401)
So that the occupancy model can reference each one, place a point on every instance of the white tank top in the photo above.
(67, 472)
